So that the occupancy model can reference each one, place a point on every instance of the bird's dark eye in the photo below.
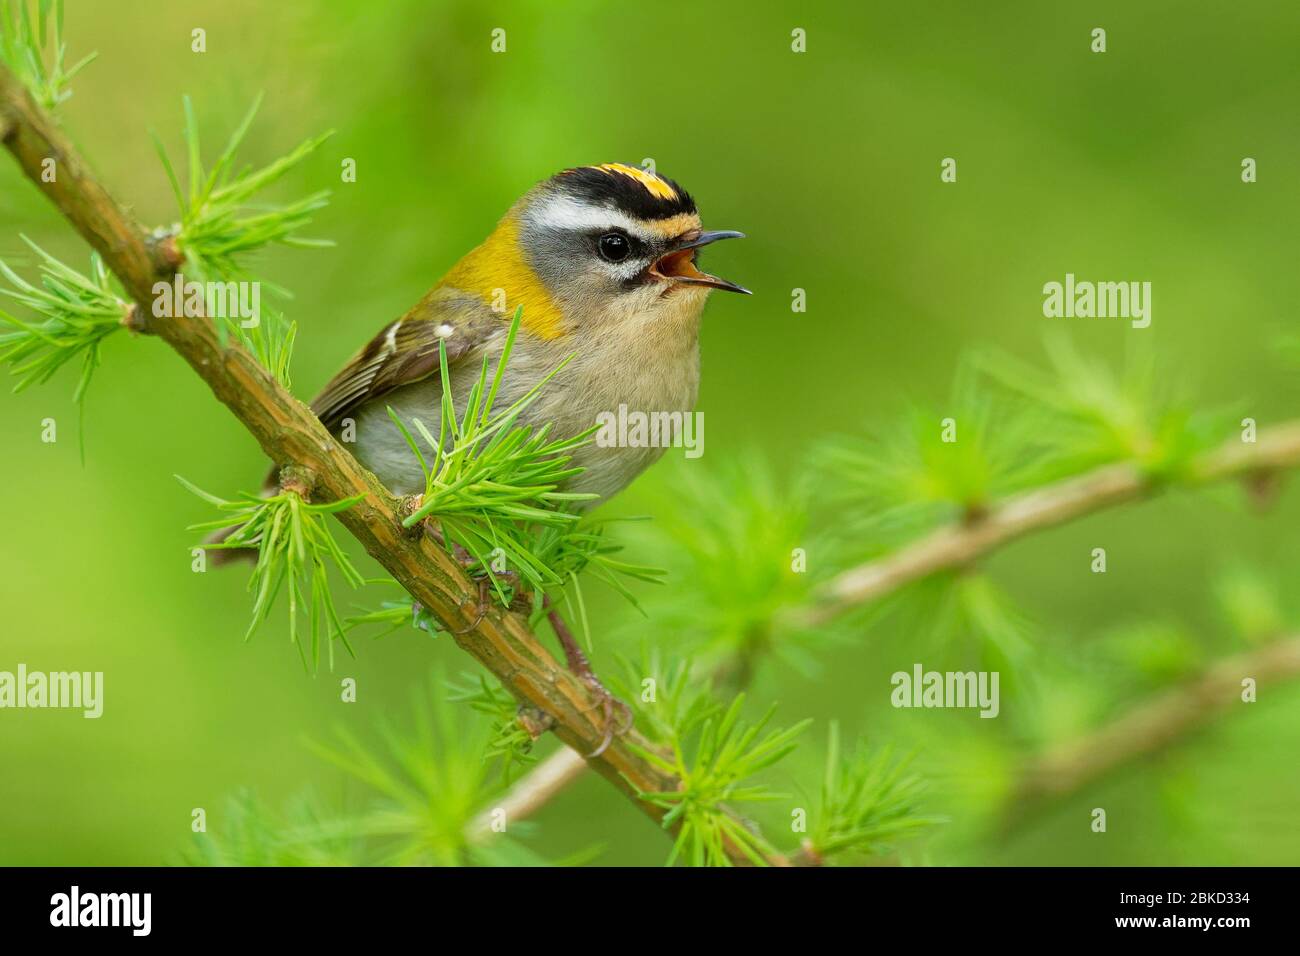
(614, 247)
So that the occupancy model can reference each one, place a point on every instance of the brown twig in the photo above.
(290, 434)
(532, 791)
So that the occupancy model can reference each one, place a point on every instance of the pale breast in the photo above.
(639, 366)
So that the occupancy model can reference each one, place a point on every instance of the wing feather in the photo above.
(405, 352)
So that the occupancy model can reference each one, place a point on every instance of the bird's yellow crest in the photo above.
(653, 184)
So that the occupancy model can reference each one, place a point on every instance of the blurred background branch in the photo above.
(1166, 718)
(1274, 450)
(959, 544)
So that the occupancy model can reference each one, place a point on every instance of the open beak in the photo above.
(678, 264)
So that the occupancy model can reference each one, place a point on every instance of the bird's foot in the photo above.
(518, 599)
(616, 715)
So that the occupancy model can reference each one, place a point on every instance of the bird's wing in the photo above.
(406, 351)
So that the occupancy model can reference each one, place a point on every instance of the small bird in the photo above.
(602, 260)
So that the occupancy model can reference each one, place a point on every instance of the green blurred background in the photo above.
(1117, 166)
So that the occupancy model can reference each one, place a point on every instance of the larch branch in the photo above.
(290, 434)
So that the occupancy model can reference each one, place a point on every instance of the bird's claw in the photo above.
(481, 607)
(485, 596)
(609, 705)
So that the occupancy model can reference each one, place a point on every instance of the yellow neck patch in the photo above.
(498, 269)
(653, 184)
